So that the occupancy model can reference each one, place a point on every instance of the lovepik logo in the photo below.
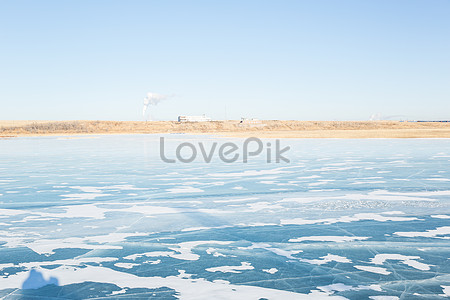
(228, 152)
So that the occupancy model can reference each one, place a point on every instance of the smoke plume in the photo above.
(379, 117)
(152, 99)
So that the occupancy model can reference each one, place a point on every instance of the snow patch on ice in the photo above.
(411, 261)
(372, 269)
(126, 265)
(326, 259)
(184, 189)
(187, 288)
(271, 270)
(440, 216)
(431, 233)
(232, 269)
(337, 239)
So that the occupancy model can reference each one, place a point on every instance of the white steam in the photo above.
(379, 117)
(152, 99)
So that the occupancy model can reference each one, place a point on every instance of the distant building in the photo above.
(194, 119)
(251, 123)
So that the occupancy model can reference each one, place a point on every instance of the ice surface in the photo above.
(105, 217)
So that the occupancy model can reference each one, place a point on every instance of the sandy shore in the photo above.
(269, 129)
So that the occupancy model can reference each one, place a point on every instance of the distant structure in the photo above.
(203, 118)
(380, 117)
(251, 123)
(438, 121)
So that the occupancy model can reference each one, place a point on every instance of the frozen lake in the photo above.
(103, 216)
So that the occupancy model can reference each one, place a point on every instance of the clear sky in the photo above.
(304, 60)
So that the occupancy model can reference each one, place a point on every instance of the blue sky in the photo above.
(304, 60)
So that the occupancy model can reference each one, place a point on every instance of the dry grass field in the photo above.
(269, 129)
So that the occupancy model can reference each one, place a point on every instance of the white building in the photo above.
(251, 123)
(194, 119)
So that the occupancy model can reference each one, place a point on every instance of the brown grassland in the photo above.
(269, 129)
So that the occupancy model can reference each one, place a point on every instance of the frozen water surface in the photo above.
(103, 216)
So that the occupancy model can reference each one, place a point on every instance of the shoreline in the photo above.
(261, 129)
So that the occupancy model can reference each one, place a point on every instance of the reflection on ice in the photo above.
(36, 280)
